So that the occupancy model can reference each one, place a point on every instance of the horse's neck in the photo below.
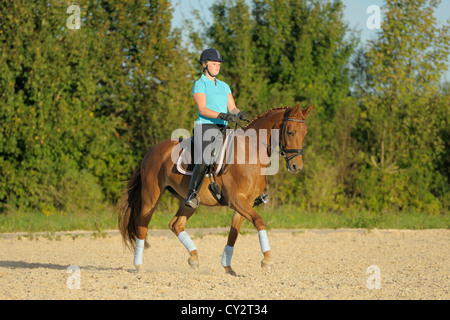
(264, 125)
(272, 120)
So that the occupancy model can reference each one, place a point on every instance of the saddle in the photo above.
(185, 164)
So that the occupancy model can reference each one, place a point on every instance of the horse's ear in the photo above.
(296, 110)
(307, 111)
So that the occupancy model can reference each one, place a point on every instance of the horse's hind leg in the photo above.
(177, 226)
(149, 203)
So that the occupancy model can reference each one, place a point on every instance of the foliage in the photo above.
(79, 108)
(403, 110)
(376, 143)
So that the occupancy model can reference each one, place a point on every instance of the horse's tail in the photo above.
(129, 209)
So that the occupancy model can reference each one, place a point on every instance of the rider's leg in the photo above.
(201, 162)
(198, 175)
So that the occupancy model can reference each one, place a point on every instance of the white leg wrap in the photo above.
(187, 242)
(226, 257)
(138, 251)
(263, 241)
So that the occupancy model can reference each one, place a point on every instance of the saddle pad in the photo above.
(185, 161)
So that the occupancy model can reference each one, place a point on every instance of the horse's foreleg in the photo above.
(267, 262)
(177, 226)
(236, 223)
(243, 207)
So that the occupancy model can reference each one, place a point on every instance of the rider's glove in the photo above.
(242, 116)
(228, 117)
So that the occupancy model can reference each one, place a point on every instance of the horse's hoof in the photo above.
(193, 263)
(138, 268)
(230, 271)
(267, 266)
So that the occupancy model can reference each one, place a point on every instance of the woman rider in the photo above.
(216, 106)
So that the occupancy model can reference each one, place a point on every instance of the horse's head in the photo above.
(292, 132)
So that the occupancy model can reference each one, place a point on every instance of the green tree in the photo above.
(147, 75)
(279, 53)
(401, 115)
(53, 151)
(79, 108)
(232, 34)
(304, 45)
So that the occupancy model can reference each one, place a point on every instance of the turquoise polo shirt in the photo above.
(216, 97)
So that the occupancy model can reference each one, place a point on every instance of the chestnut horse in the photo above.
(240, 184)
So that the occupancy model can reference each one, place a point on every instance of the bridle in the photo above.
(283, 150)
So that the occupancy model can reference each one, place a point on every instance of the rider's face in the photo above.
(213, 67)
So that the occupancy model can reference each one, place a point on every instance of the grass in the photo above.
(361, 219)
(39, 222)
(221, 217)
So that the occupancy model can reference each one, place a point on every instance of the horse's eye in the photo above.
(290, 133)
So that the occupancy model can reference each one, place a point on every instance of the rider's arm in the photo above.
(232, 105)
(200, 102)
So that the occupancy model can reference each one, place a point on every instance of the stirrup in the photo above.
(193, 200)
(263, 198)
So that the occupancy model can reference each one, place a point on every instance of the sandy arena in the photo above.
(309, 264)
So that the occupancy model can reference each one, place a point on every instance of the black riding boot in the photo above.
(198, 174)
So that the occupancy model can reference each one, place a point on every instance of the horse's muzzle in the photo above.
(293, 167)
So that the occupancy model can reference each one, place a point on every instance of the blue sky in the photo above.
(355, 14)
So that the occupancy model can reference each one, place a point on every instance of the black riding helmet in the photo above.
(210, 55)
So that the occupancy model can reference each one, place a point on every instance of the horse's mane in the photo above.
(265, 114)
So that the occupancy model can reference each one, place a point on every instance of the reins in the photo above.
(282, 141)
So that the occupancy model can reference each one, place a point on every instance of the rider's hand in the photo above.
(242, 116)
(228, 117)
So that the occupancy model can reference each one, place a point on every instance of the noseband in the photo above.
(283, 150)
